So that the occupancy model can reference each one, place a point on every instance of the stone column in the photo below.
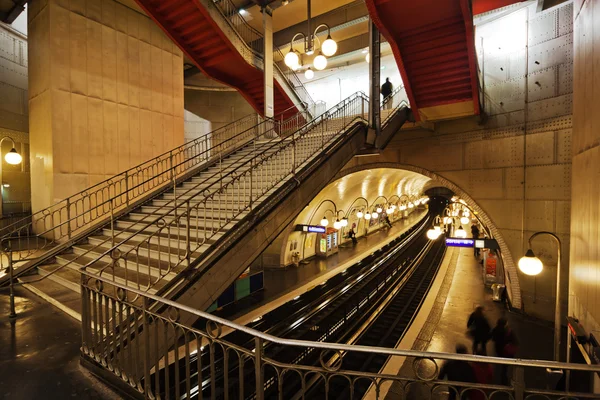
(374, 81)
(106, 94)
(268, 43)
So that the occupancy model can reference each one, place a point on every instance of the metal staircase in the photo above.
(224, 47)
(188, 225)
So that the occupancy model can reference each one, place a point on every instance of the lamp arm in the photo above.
(557, 310)
(322, 26)
(9, 138)
(294, 38)
(558, 241)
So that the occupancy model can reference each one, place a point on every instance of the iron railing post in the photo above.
(258, 368)
(322, 133)
(293, 157)
(173, 179)
(251, 181)
(187, 236)
(146, 332)
(112, 223)
(69, 217)
(518, 382)
(13, 313)
(127, 188)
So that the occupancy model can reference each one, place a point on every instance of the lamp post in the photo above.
(12, 158)
(529, 264)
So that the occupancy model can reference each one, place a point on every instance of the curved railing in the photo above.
(255, 42)
(106, 341)
(392, 103)
(199, 215)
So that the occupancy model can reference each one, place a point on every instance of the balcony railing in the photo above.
(114, 314)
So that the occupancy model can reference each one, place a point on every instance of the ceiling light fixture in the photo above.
(309, 74)
(327, 49)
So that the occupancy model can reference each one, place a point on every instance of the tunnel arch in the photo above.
(509, 264)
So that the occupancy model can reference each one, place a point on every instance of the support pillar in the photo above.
(374, 83)
(268, 68)
(105, 94)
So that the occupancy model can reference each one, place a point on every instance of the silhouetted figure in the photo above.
(386, 91)
(387, 221)
(458, 371)
(475, 233)
(479, 328)
(352, 235)
(484, 374)
(505, 345)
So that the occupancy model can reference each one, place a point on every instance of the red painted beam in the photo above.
(432, 42)
(190, 26)
(483, 6)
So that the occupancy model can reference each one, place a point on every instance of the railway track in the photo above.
(326, 313)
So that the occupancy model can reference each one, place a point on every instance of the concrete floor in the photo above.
(39, 353)
(464, 291)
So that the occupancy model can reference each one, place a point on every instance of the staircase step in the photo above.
(134, 226)
(148, 266)
(155, 210)
(148, 250)
(73, 262)
(67, 277)
(56, 294)
(195, 221)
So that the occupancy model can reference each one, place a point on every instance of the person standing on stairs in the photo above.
(386, 91)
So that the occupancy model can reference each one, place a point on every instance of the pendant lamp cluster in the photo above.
(326, 49)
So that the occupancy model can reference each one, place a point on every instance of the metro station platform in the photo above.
(39, 350)
(283, 284)
(441, 323)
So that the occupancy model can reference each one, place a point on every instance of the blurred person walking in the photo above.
(457, 371)
(505, 345)
(479, 330)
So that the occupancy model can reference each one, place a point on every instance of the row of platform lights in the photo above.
(375, 214)
(528, 264)
(457, 209)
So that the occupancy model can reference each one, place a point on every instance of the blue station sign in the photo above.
(311, 228)
(456, 242)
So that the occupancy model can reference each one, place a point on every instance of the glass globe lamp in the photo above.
(320, 62)
(329, 47)
(530, 264)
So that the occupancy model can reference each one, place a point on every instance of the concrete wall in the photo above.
(517, 165)
(14, 122)
(584, 289)
(195, 126)
(218, 107)
(106, 93)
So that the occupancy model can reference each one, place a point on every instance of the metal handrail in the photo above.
(398, 100)
(136, 336)
(170, 206)
(554, 365)
(99, 203)
(128, 174)
(180, 225)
